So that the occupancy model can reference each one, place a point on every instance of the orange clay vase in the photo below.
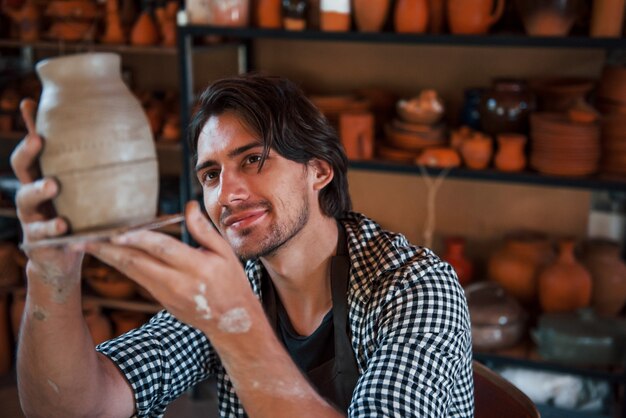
(477, 151)
(516, 265)
(114, 33)
(510, 155)
(455, 255)
(370, 15)
(144, 32)
(608, 272)
(473, 17)
(411, 16)
(564, 285)
(98, 143)
(269, 14)
(6, 341)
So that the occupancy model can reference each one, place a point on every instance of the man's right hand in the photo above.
(56, 267)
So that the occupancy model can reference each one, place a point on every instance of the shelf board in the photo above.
(499, 40)
(526, 177)
(88, 46)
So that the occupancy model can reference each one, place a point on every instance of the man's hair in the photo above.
(286, 121)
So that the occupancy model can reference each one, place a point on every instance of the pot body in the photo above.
(411, 16)
(473, 17)
(510, 156)
(98, 143)
(370, 15)
(269, 14)
(505, 108)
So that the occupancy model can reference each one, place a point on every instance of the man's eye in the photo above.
(209, 176)
(253, 159)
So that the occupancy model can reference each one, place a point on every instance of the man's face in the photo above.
(256, 212)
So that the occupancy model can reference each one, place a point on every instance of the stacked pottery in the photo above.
(608, 272)
(559, 94)
(564, 285)
(98, 143)
(560, 146)
(416, 127)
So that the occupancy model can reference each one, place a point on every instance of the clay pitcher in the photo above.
(510, 155)
(6, 342)
(370, 15)
(564, 285)
(98, 143)
(608, 272)
(473, 17)
(411, 16)
(269, 14)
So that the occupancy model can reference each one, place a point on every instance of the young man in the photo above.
(330, 315)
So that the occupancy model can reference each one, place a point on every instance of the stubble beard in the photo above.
(278, 235)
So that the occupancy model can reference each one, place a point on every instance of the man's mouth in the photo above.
(244, 219)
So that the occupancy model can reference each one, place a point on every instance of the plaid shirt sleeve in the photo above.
(421, 363)
(161, 360)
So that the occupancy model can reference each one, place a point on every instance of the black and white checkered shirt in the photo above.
(410, 333)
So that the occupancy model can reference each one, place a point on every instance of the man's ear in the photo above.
(321, 172)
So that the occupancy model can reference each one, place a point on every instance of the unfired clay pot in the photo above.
(98, 143)
(565, 285)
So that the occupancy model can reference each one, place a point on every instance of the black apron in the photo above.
(334, 380)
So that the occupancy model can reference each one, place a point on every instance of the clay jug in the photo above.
(516, 264)
(506, 107)
(28, 19)
(6, 341)
(98, 143)
(10, 274)
(268, 14)
(17, 309)
(113, 34)
(411, 16)
(335, 15)
(370, 15)
(99, 326)
(608, 272)
(124, 321)
(455, 255)
(473, 17)
(510, 155)
(564, 285)
(144, 32)
(477, 151)
(607, 18)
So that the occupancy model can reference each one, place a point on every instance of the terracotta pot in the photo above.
(17, 310)
(28, 19)
(549, 17)
(232, 13)
(608, 272)
(607, 18)
(506, 106)
(455, 255)
(473, 17)
(510, 155)
(145, 32)
(516, 264)
(114, 33)
(109, 283)
(99, 326)
(564, 285)
(268, 14)
(6, 341)
(98, 143)
(477, 151)
(411, 16)
(124, 321)
(356, 131)
(335, 15)
(10, 273)
(370, 15)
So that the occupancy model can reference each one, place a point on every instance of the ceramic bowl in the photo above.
(425, 109)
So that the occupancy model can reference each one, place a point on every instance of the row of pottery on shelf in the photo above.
(527, 267)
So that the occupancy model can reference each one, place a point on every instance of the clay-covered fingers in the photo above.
(164, 248)
(34, 231)
(203, 231)
(31, 196)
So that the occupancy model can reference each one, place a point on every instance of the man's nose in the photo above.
(233, 188)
